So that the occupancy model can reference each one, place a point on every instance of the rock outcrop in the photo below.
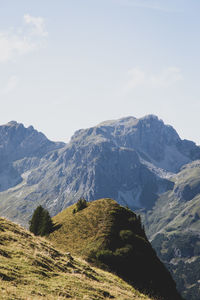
(129, 160)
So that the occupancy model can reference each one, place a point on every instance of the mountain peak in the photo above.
(150, 117)
(12, 123)
(130, 120)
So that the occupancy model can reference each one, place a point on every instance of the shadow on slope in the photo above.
(111, 237)
(31, 268)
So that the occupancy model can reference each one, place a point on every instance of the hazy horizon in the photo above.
(72, 64)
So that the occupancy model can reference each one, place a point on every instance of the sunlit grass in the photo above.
(31, 268)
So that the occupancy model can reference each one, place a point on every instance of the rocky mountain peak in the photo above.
(126, 159)
(17, 141)
(12, 123)
(21, 149)
(150, 136)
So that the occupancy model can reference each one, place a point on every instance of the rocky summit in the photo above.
(129, 160)
(141, 163)
(20, 150)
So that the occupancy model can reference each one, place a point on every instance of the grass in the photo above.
(86, 230)
(31, 268)
(111, 237)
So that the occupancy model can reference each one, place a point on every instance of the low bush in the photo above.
(81, 204)
(126, 235)
(105, 256)
(124, 252)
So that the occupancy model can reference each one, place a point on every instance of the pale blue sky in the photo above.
(70, 64)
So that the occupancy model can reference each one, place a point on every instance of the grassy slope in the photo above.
(31, 268)
(86, 230)
(98, 227)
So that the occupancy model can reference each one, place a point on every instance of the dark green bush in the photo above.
(41, 223)
(81, 204)
(126, 235)
(105, 256)
(132, 220)
(124, 252)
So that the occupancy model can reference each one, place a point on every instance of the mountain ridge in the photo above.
(121, 159)
(138, 162)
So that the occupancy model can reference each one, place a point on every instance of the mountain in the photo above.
(141, 163)
(32, 268)
(129, 160)
(173, 227)
(21, 151)
(24, 147)
(111, 236)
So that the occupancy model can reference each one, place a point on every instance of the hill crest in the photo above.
(111, 236)
(32, 268)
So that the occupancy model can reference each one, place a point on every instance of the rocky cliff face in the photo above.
(129, 160)
(150, 137)
(173, 226)
(21, 149)
(138, 162)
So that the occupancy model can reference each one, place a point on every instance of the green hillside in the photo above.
(31, 268)
(111, 236)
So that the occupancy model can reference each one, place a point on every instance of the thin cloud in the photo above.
(140, 78)
(14, 43)
(37, 24)
(10, 85)
(166, 78)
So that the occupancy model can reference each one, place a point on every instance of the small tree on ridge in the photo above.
(41, 223)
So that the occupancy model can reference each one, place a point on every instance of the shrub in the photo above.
(105, 256)
(81, 204)
(124, 252)
(35, 221)
(41, 223)
(132, 220)
(126, 235)
(46, 224)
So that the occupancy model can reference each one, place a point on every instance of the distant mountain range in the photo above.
(141, 163)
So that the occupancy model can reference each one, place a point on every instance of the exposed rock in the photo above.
(129, 160)
(21, 149)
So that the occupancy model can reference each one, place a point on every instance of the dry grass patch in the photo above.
(31, 268)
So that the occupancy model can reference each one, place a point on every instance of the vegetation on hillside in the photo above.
(31, 268)
(80, 204)
(111, 236)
